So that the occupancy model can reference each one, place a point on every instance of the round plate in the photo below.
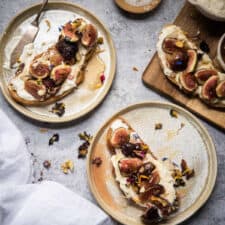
(82, 100)
(139, 7)
(180, 138)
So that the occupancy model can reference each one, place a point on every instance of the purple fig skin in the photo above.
(203, 75)
(209, 88)
(188, 82)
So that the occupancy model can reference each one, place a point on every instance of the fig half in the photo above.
(69, 32)
(60, 73)
(188, 82)
(192, 60)
(203, 75)
(89, 35)
(209, 88)
(36, 89)
(39, 70)
(119, 137)
(220, 90)
(129, 165)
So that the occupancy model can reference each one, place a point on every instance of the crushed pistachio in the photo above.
(47, 164)
(83, 148)
(173, 113)
(97, 161)
(186, 171)
(158, 126)
(85, 136)
(67, 166)
(177, 176)
(58, 109)
(54, 138)
(100, 40)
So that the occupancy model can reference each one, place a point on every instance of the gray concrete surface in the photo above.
(135, 39)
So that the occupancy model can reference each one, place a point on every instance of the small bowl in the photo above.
(207, 13)
(221, 52)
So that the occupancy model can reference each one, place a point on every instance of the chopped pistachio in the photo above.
(158, 126)
(67, 166)
(173, 113)
(100, 40)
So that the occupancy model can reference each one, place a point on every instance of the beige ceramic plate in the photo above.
(192, 143)
(140, 8)
(83, 100)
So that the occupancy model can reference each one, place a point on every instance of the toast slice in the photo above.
(143, 178)
(58, 71)
(189, 68)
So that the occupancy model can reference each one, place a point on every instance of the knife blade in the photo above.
(28, 37)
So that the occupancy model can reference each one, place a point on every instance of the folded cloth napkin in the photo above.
(47, 203)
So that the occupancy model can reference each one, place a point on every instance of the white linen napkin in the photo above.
(47, 203)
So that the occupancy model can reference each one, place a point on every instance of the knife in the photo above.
(28, 36)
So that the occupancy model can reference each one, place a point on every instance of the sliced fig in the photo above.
(220, 90)
(171, 45)
(60, 73)
(119, 137)
(89, 35)
(209, 88)
(55, 57)
(203, 75)
(69, 32)
(178, 60)
(192, 60)
(188, 82)
(129, 165)
(35, 88)
(39, 70)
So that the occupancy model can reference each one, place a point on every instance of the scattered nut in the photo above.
(67, 166)
(100, 40)
(83, 148)
(54, 138)
(173, 113)
(158, 126)
(58, 109)
(186, 171)
(135, 69)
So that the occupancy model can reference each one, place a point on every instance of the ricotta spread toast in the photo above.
(56, 72)
(188, 67)
(149, 182)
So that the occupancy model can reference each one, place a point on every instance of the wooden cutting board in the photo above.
(190, 20)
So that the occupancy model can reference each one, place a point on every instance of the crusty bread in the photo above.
(172, 79)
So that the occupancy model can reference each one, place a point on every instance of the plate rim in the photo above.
(59, 120)
(136, 9)
(212, 165)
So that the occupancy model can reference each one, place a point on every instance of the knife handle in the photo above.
(36, 20)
